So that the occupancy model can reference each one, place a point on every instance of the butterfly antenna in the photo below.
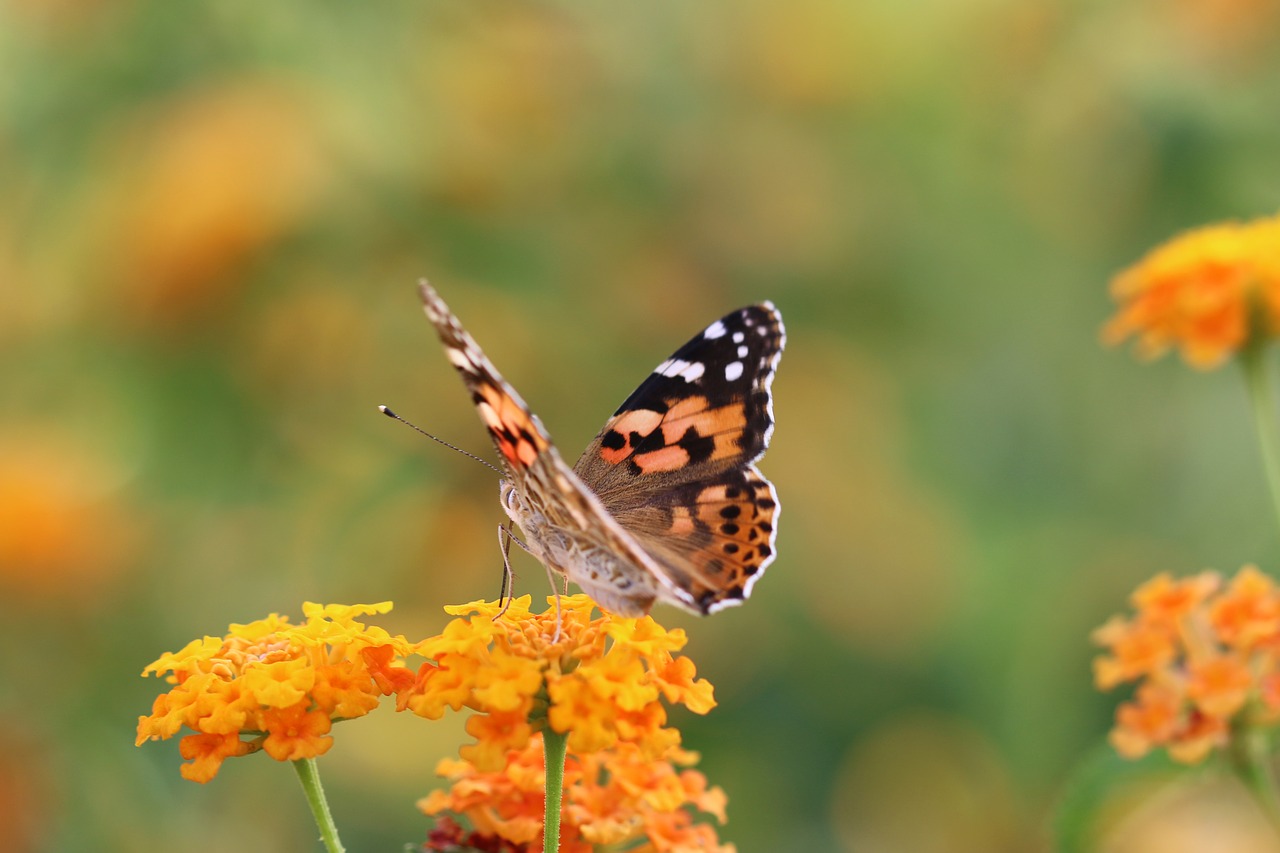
(394, 416)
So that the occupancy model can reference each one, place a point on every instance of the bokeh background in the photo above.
(212, 217)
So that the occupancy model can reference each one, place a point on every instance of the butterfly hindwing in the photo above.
(713, 537)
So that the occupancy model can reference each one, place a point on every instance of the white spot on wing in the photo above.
(689, 371)
(670, 367)
(715, 330)
(739, 337)
(733, 370)
(742, 351)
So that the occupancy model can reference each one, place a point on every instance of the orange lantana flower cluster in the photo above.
(275, 686)
(598, 680)
(615, 796)
(1206, 657)
(1210, 291)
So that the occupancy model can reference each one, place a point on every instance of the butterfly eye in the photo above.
(510, 496)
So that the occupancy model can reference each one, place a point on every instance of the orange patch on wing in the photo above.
(713, 494)
(613, 457)
(508, 449)
(514, 416)
(730, 418)
(525, 452)
(684, 408)
(682, 521)
(504, 419)
(642, 421)
(639, 422)
(727, 445)
(671, 458)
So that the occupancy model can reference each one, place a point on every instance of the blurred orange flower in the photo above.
(281, 684)
(600, 681)
(1205, 658)
(212, 178)
(1232, 32)
(28, 806)
(62, 529)
(611, 797)
(1210, 292)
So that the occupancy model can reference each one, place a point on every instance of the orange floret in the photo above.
(1204, 659)
(1210, 292)
(599, 678)
(1248, 612)
(612, 798)
(274, 686)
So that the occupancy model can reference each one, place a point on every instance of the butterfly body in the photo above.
(666, 503)
(568, 546)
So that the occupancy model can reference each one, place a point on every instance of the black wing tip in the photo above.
(765, 305)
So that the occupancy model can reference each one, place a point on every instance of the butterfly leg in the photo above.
(505, 538)
(504, 545)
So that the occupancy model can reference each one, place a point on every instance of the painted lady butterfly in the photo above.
(666, 504)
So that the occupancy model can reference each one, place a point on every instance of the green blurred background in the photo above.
(212, 217)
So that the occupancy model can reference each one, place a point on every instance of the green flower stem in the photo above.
(1251, 758)
(309, 776)
(554, 746)
(1262, 397)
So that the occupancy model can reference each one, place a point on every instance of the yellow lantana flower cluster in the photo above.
(1206, 657)
(600, 680)
(280, 685)
(1210, 292)
(612, 797)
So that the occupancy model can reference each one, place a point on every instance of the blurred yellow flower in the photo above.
(601, 681)
(1206, 659)
(614, 796)
(502, 97)
(283, 685)
(1210, 292)
(837, 65)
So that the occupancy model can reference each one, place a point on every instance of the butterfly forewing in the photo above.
(516, 431)
(707, 408)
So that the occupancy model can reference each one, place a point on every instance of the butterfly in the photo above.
(666, 503)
